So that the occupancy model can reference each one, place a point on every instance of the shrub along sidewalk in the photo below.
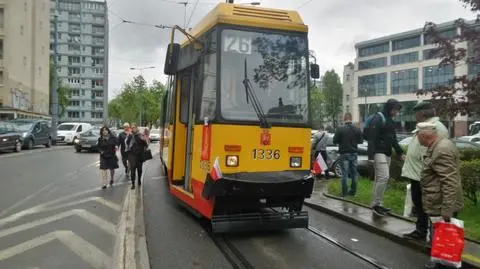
(395, 199)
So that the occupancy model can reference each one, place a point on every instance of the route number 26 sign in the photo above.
(237, 44)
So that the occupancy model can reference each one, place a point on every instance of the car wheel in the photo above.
(30, 144)
(337, 169)
(49, 143)
(18, 146)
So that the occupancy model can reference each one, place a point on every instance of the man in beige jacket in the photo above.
(441, 184)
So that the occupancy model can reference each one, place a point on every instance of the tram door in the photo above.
(187, 119)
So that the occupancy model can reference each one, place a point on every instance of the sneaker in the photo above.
(386, 210)
(104, 187)
(111, 182)
(416, 235)
(133, 187)
(379, 211)
(430, 265)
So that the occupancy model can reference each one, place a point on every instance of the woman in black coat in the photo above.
(107, 144)
(136, 145)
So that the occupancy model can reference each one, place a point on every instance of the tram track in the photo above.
(345, 248)
(231, 253)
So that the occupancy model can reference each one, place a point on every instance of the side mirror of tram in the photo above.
(315, 71)
(171, 60)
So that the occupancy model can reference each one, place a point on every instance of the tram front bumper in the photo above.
(261, 184)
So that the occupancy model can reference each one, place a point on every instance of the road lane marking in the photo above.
(88, 252)
(92, 218)
(97, 199)
(119, 247)
(37, 208)
(130, 232)
(70, 177)
(157, 178)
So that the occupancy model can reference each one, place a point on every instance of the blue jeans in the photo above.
(349, 162)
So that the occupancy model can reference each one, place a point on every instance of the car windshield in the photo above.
(276, 65)
(6, 127)
(464, 144)
(23, 127)
(65, 127)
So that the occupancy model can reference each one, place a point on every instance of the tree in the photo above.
(138, 102)
(317, 105)
(462, 95)
(64, 92)
(333, 91)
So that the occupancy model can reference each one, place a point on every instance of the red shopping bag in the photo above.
(448, 243)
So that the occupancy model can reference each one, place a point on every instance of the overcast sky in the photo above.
(335, 26)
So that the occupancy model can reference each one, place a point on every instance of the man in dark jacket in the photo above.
(381, 138)
(348, 137)
(122, 137)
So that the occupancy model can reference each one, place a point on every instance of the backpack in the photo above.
(368, 122)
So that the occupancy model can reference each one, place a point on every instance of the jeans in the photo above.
(349, 162)
(382, 175)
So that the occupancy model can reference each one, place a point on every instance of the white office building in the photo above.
(83, 57)
(396, 66)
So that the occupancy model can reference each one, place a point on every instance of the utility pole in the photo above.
(54, 90)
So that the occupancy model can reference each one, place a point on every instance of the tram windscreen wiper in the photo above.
(249, 92)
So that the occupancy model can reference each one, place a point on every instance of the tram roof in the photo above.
(242, 15)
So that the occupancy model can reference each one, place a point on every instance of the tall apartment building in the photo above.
(82, 59)
(396, 66)
(24, 54)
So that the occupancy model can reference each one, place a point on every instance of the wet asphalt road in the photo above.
(176, 239)
(53, 213)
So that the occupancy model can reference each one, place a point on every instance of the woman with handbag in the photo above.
(136, 149)
(107, 143)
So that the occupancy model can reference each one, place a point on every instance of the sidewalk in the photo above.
(391, 227)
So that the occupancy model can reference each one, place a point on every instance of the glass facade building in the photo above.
(82, 58)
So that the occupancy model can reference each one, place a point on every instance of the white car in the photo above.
(155, 135)
(471, 138)
(69, 132)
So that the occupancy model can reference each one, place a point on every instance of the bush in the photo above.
(469, 171)
(469, 154)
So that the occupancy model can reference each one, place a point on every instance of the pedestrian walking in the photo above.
(136, 145)
(381, 137)
(122, 137)
(107, 143)
(347, 137)
(441, 184)
(412, 168)
(319, 146)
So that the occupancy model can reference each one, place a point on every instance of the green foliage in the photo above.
(332, 88)
(64, 92)
(317, 106)
(138, 102)
(469, 154)
(470, 180)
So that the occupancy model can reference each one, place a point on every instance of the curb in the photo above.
(142, 250)
(395, 238)
(391, 214)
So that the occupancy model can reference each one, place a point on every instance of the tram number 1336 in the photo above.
(266, 154)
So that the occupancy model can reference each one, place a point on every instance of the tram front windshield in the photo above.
(276, 65)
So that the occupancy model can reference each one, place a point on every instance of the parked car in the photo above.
(68, 132)
(10, 139)
(155, 135)
(471, 138)
(34, 132)
(88, 140)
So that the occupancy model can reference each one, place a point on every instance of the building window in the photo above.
(431, 54)
(406, 43)
(39, 71)
(21, 29)
(404, 81)
(373, 63)
(434, 76)
(24, 60)
(375, 49)
(25, 6)
(474, 69)
(404, 58)
(373, 85)
(448, 34)
(40, 25)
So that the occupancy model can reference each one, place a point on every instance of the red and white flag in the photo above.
(319, 165)
(216, 173)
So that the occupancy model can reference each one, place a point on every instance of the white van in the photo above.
(68, 132)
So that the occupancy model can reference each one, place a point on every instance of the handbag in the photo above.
(448, 243)
(147, 154)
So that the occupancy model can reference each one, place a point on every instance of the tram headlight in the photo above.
(295, 162)
(232, 161)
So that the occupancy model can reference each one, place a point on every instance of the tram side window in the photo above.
(184, 98)
(209, 93)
